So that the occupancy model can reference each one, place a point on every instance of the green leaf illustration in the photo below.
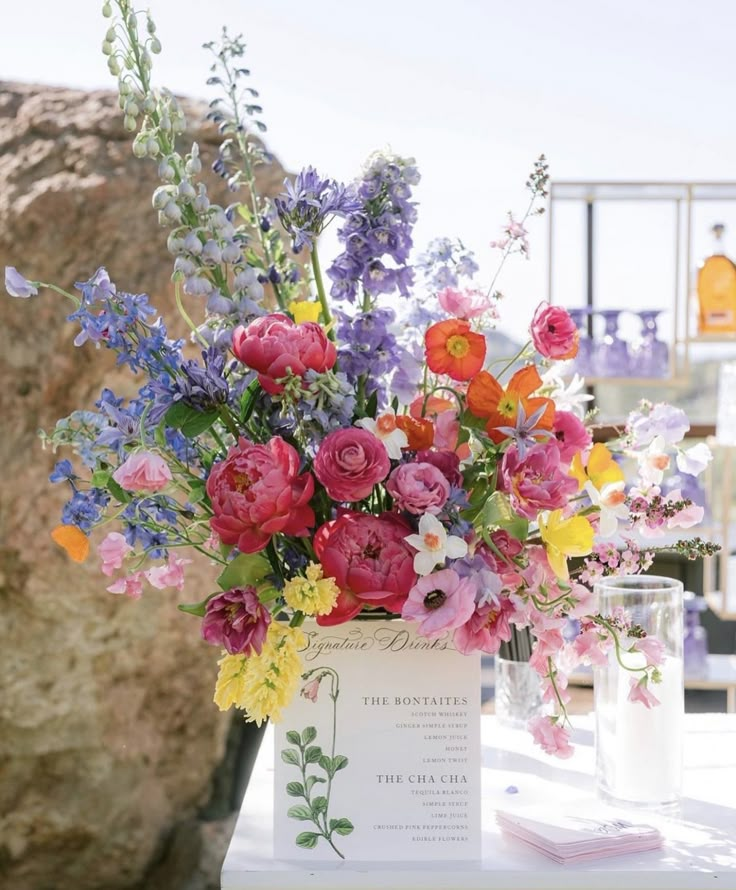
(326, 763)
(319, 805)
(295, 789)
(312, 781)
(339, 761)
(299, 811)
(307, 839)
(341, 826)
(290, 755)
(309, 735)
(293, 737)
(313, 754)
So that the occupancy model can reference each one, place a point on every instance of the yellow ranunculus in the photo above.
(563, 538)
(305, 310)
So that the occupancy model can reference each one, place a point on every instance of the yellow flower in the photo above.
(229, 686)
(601, 468)
(313, 595)
(305, 310)
(563, 538)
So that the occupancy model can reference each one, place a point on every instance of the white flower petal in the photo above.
(424, 561)
(415, 541)
(694, 460)
(456, 547)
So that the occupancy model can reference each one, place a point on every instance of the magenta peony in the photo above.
(275, 347)
(258, 491)
(143, 471)
(236, 620)
(350, 462)
(554, 333)
(370, 561)
(537, 482)
(440, 602)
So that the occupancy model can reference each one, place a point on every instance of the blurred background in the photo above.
(116, 771)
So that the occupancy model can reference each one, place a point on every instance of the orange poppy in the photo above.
(419, 431)
(452, 348)
(488, 399)
(71, 539)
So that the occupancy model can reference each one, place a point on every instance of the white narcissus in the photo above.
(384, 428)
(610, 500)
(434, 545)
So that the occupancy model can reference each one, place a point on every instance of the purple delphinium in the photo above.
(237, 621)
(368, 348)
(309, 203)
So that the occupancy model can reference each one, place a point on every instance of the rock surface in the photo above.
(108, 734)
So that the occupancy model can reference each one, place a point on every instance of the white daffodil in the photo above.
(653, 462)
(610, 500)
(384, 428)
(434, 545)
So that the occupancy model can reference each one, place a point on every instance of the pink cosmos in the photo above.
(639, 691)
(440, 602)
(131, 585)
(652, 648)
(537, 482)
(464, 304)
(486, 628)
(168, 575)
(588, 647)
(571, 435)
(554, 333)
(311, 689)
(236, 620)
(370, 561)
(143, 471)
(553, 738)
(258, 491)
(113, 550)
(418, 488)
(350, 462)
(274, 346)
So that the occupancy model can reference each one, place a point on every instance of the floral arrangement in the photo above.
(365, 450)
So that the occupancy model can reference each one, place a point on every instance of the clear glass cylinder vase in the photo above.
(639, 748)
(518, 692)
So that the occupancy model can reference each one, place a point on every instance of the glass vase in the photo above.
(638, 748)
(518, 693)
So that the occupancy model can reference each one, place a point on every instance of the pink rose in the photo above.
(370, 561)
(571, 435)
(350, 462)
(447, 462)
(440, 602)
(551, 736)
(486, 628)
(418, 488)
(143, 471)
(537, 482)
(169, 575)
(113, 550)
(258, 491)
(236, 620)
(554, 333)
(274, 347)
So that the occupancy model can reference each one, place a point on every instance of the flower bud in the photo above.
(152, 147)
(211, 253)
(256, 291)
(245, 278)
(107, 10)
(140, 149)
(161, 197)
(202, 202)
(155, 45)
(166, 171)
(193, 244)
(106, 48)
(186, 190)
(149, 104)
(193, 166)
(231, 252)
(198, 286)
(165, 123)
(172, 212)
(130, 108)
(151, 26)
(185, 265)
(174, 244)
(113, 66)
(129, 123)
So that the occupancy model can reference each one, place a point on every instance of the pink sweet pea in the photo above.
(113, 550)
(350, 462)
(131, 586)
(571, 435)
(553, 738)
(440, 602)
(464, 304)
(236, 620)
(418, 488)
(554, 333)
(588, 647)
(536, 482)
(169, 575)
(652, 648)
(639, 691)
(143, 471)
(556, 692)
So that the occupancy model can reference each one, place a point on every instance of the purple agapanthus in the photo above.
(203, 387)
(310, 202)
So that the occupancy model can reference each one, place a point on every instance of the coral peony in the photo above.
(418, 488)
(537, 482)
(236, 620)
(350, 462)
(143, 471)
(554, 333)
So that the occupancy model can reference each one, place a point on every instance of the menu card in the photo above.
(378, 756)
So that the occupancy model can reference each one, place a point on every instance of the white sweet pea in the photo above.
(694, 460)
(610, 502)
(434, 545)
(384, 428)
(653, 462)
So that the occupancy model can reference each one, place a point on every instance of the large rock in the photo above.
(108, 734)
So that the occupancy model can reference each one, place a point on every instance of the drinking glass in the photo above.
(518, 693)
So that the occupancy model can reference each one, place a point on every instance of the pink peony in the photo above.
(275, 347)
(370, 561)
(113, 550)
(350, 462)
(639, 692)
(447, 462)
(571, 435)
(418, 488)
(464, 304)
(537, 482)
(440, 602)
(236, 620)
(258, 491)
(551, 736)
(486, 628)
(169, 575)
(143, 471)
(554, 333)
(131, 586)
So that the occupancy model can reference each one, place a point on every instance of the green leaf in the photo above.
(313, 754)
(245, 570)
(198, 423)
(498, 514)
(293, 737)
(197, 609)
(177, 415)
(100, 478)
(197, 491)
(326, 763)
(319, 805)
(295, 789)
(309, 735)
(159, 435)
(307, 839)
(300, 811)
(341, 826)
(117, 491)
(312, 781)
(372, 405)
(339, 761)
(290, 755)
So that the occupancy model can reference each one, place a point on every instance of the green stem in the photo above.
(59, 290)
(227, 419)
(326, 316)
(517, 356)
(185, 315)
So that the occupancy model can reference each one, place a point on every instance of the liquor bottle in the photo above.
(717, 289)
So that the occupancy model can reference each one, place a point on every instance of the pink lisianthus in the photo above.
(639, 692)
(350, 462)
(236, 620)
(571, 435)
(652, 648)
(169, 575)
(554, 333)
(418, 488)
(275, 347)
(464, 304)
(113, 550)
(537, 482)
(131, 585)
(143, 471)
(447, 462)
(440, 602)
(258, 491)
(370, 561)
(551, 736)
(486, 628)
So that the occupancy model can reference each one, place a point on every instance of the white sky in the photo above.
(609, 89)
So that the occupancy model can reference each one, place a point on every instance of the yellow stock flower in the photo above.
(601, 469)
(313, 595)
(305, 310)
(563, 538)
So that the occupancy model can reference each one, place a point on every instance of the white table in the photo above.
(700, 849)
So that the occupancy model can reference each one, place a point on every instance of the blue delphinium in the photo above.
(310, 202)
(85, 508)
(445, 262)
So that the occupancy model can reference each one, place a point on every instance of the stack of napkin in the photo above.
(589, 831)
